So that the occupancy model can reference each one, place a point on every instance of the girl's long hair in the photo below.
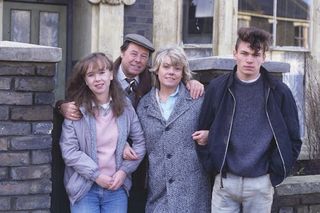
(79, 92)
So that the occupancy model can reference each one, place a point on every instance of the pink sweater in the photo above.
(107, 137)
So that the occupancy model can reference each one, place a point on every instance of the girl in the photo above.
(96, 178)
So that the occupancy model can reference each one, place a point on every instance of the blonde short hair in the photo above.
(178, 58)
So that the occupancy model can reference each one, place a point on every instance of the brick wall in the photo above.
(138, 18)
(26, 99)
(298, 194)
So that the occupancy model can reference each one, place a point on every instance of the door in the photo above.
(43, 24)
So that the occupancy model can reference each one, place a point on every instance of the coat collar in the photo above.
(264, 74)
(183, 103)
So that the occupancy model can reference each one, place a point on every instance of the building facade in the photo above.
(204, 28)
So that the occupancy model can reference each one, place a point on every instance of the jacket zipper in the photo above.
(229, 135)
(274, 135)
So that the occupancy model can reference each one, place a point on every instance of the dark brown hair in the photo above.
(79, 92)
(126, 43)
(257, 38)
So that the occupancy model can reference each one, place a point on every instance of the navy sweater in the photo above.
(251, 133)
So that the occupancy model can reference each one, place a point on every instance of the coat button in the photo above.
(171, 180)
(169, 156)
(167, 128)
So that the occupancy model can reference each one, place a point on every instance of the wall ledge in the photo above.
(227, 63)
(16, 51)
(299, 185)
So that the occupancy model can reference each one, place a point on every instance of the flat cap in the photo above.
(140, 40)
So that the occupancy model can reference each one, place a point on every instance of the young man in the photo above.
(253, 126)
(132, 71)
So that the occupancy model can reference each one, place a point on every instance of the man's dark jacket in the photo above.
(138, 192)
(217, 115)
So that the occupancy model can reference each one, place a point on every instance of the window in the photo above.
(20, 26)
(300, 33)
(289, 25)
(197, 21)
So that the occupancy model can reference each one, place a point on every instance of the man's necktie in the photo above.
(132, 85)
(131, 90)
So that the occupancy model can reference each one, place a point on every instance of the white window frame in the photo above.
(273, 20)
(274, 34)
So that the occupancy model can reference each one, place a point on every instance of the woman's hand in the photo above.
(70, 111)
(201, 137)
(118, 179)
(129, 153)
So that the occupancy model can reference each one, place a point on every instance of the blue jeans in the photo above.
(100, 200)
(253, 194)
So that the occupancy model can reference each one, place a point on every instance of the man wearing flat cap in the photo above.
(131, 68)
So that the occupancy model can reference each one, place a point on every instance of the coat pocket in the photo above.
(75, 185)
(276, 163)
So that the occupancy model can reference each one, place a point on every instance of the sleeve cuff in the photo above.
(125, 169)
(95, 176)
(202, 147)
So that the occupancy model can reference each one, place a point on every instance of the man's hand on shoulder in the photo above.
(195, 88)
(70, 110)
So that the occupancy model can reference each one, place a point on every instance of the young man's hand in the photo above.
(195, 88)
(70, 111)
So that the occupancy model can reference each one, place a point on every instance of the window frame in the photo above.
(185, 27)
(273, 21)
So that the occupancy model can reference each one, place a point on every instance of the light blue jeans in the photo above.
(100, 200)
(255, 195)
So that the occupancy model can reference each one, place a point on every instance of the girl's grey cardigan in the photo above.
(78, 147)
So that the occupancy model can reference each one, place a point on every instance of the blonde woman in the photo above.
(169, 118)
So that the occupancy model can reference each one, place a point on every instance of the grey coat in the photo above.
(176, 180)
(78, 147)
